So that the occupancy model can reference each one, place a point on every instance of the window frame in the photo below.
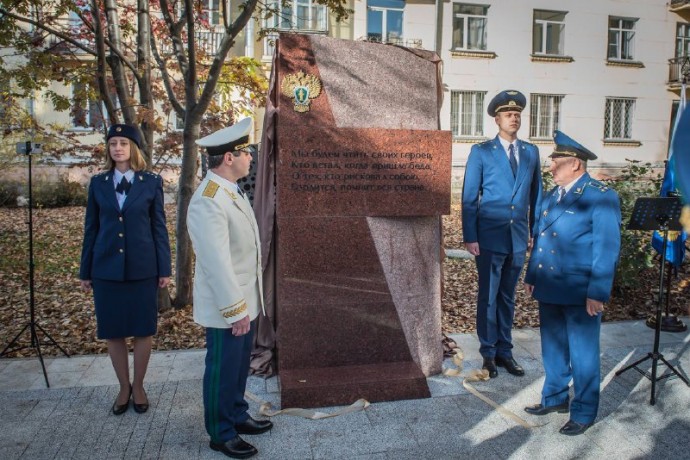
(101, 111)
(620, 32)
(622, 116)
(553, 117)
(89, 124)
(384, 22)
(476, 117)
(213, 11)
(466, 29)
(279, 22)
(682, 39)
(544, 33)
(280, 17)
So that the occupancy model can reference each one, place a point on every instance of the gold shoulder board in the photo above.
(211, 189)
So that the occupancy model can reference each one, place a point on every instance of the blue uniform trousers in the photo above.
(498, 276)
(570, 349)
(225, 379)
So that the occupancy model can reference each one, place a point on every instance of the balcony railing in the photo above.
(208, 40)
(408, 42)
(678, 68)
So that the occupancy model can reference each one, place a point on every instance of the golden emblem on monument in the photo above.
(301, 88)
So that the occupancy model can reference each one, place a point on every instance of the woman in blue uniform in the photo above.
(126, 258)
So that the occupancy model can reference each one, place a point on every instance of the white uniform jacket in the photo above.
(225, 236)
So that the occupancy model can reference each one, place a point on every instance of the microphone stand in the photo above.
(32, 325)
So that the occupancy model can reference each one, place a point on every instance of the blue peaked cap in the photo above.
(130, 132)
(566, 146)
(509, 100)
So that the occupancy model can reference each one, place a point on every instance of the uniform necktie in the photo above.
(561, 194)
(512, 159)
(241, 192)
(124, 186)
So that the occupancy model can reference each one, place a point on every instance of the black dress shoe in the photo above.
(119, 409)
(511, 366)
(490, 365)
(235, 448)
(251, 426)
(539, 409)
(140, 408)
(573, 428)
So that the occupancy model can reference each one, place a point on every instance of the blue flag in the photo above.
(681, 147)
(679, 153)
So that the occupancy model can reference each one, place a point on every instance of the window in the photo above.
(621, 39)
(212, 12)
(548, 34)
(469, 26)
(304, 15)
(618, 118)
(682, 39)
(467, 113)
(87, 110)
(545, 115)
(270, 44)
(29, 105)
(385, 20)
(176, 121)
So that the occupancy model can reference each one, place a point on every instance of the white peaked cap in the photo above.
(234, 134)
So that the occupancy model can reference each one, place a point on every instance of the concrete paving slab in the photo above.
(72, 419)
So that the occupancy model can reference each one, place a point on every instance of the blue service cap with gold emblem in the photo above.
(120, 130)
(230, 139)
(568, 147)
(509, 100)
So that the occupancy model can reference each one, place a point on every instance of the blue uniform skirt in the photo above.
(126, 308)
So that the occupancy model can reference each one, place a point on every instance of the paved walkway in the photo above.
(72, 419)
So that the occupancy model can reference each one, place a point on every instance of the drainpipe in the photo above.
(438, 26)
(249, 38)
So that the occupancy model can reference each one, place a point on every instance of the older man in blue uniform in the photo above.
(570, 273)
(501, 191)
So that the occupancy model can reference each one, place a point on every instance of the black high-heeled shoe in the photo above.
(141, 408)
(119, 409)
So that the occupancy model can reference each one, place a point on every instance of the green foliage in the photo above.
(635, 180)
(59, 194)
(547, 179)
(9, 192)
(45, 194)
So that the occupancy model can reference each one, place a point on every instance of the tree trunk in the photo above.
(144, 71)
(116, 66)
(184, 252)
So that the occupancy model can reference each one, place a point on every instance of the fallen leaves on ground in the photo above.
(65, 312)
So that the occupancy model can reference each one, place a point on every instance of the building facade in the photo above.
(607, 72)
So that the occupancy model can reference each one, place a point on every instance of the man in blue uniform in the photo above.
(501, 191)
(570, 273)
(228, 293)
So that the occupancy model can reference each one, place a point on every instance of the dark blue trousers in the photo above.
(498, 276)
(225, 379)
(570, 349)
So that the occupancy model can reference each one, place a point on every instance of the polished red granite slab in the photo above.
(334, 386)
(359, 196)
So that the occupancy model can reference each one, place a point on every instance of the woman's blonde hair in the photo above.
(136, 159)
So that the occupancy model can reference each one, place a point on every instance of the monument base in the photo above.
(339, 386)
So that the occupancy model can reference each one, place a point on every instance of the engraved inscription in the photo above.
(357, 171)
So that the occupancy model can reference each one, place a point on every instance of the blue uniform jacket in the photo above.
(129, 243)
(498, 210)
(576, 249)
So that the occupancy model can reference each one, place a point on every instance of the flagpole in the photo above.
(671, 323)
